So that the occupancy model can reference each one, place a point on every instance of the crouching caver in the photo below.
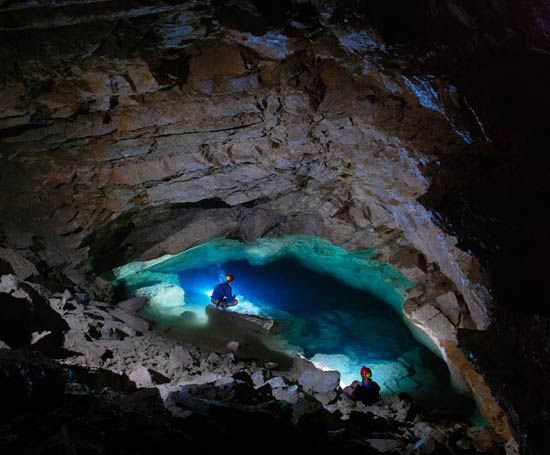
(366, 391)
(222, 296)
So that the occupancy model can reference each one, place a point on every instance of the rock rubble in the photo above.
(110, 352)
(152, 128)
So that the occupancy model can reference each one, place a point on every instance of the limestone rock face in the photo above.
(138, 150)
(448, 304)
(151, 128)
(312, 377)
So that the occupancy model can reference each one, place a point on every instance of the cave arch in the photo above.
(171, 280)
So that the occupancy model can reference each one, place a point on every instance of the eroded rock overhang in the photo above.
(166, 128)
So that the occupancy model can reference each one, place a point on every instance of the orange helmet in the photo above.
(366, 373)
(229, 277)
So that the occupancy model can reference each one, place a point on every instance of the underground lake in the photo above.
(339, 309)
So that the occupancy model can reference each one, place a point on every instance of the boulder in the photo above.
(306, 411)
(200, 398)
(344, 405)
(484, 439)
(276, 382)
(441, 325)
(179, 360)
(416, 292)
(75, 276)
(37, 336)
(102, 288)
(410, 263)
(24, 311)
(232, 346)
(79, 377)
(224, 380)
(448, 304)
(427, 430)
(432, 318)
(325, 398)
(424, 313)
(214, 61)
(132, 305)
(410, 306)
(213, 359)
(20, 266)
(82, 298)
(66, 296)
(131, 320)
(394, 407)
(141, 377)
(258, 378)
(236, 320)
(313, 377)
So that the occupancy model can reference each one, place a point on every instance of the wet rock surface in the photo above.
(203, 400)
(248, 322)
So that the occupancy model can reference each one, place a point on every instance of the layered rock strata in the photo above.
(150, 129)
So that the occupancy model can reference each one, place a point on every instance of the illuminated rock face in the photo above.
(204, 131)
(193, 137)
(358, 270)
(151, 129)
(343, 310)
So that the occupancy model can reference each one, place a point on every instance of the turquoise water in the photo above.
(340, 309)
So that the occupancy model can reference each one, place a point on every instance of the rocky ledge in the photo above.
(155, 126)
(123, 387)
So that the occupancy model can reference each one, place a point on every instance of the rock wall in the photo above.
(130, 131)
(257, 138)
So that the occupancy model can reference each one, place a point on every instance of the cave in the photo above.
(389, 155)
(338, 309)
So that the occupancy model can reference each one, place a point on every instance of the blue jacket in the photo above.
(222, 290)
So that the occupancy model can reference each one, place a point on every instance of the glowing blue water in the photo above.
(340, 309)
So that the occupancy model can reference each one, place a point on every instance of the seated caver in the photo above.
(366, 391)
(222, 296)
